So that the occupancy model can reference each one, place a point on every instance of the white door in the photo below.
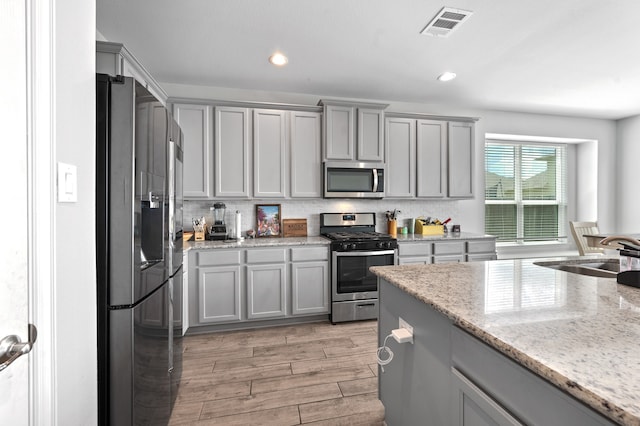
(15, 395)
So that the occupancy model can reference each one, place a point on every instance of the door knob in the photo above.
(11, 347)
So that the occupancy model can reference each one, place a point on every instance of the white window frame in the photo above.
(561, 195)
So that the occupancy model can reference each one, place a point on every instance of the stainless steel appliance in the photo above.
(353, 180)
(355, 247)
(218, 228)
(139, 254)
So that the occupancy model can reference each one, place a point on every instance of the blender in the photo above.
(218, 229)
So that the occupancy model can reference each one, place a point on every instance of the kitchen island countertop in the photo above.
(580, 333)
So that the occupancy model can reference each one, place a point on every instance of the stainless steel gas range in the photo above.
(355, 247)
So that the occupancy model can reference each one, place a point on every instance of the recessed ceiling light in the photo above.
(278, 59)
(447, 76)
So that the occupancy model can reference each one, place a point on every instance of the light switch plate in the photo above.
(67, 183)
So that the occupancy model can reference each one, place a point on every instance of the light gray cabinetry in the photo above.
(414, 253)
(449, 377)
(231, 157)
(115, 59)
(309, 280)
(370, 135)
(479, 250)
(446, 250)
(266, 283)
(429, 158)
(473, 407)
(269, 148)
(195, 122)
(401, 164)
(353, 131)
(461, 136)
(306, 155)
(215, 292)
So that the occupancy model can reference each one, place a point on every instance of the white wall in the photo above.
(628, 200)
(75, 292)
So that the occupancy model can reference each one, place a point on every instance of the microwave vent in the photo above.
(446, 21)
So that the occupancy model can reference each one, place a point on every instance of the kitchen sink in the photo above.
(606, 268)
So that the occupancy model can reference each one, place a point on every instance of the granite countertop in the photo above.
(446, 237)
(580, 333)
(256, 242)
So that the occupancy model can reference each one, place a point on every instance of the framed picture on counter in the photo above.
(268, 220)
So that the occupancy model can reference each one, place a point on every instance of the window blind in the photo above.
(525, 191)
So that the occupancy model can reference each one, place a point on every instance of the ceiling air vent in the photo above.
(446, 21)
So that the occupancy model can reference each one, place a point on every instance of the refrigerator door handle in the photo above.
(12, 348)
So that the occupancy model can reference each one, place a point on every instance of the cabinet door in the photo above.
(310, 288)
(431, 149)
(195, 122)
(370, 135)
(269, 147)
(219, 294)
(266, 289)
(401, 144)
(460, 163)
(231, 152)
(306, 155)
(473, 407)
(339, 132)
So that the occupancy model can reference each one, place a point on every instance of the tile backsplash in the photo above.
(310, 209)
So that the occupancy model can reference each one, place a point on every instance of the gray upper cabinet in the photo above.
(231, 155)
(353, 131)
(339, 132)
(195, 122)
(370, 135)
(401, 165)
(431, 159)
(461, 136)
(269, 148)
(306, 155)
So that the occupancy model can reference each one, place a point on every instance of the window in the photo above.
(525, 191)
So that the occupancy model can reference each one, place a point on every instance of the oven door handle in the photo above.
(364, 253)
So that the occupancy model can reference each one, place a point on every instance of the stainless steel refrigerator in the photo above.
(139, 254)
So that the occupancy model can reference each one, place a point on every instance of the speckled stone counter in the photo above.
(403, 238)
(256, 242)
(580, 333)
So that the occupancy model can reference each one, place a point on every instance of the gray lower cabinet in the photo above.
(452, 250)
(266, 291)
(449, 377)
(473, 407)
(253, 284)
(310, 287)
(219, 294)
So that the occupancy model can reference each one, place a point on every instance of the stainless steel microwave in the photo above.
(353, 180)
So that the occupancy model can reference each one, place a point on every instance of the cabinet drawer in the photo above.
(267, 256)
(414, 249)
(481, 246)
(449, 247)
(218, 257)
(302, 254)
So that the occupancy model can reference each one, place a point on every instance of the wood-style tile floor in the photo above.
(312, 374)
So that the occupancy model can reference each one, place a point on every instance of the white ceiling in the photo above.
(570, 57)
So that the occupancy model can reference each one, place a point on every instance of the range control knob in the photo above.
(344, 246)
(380, 244)
(354, 246)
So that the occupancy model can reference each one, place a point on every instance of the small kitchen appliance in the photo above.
(355, 247)
(218, 230)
